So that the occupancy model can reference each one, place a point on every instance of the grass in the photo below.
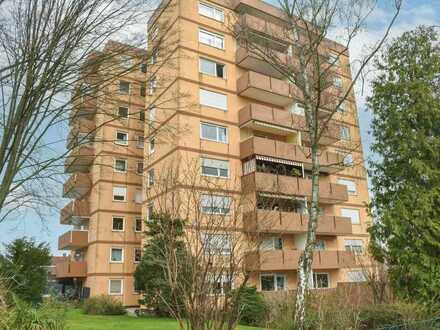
(77, 320)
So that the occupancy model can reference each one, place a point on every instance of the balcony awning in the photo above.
(289, 197)
(282, 128)
(279, 160)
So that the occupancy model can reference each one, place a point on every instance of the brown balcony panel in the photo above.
(71, 269)
(271, 120)
(80, 125)
(80, 159)
(285, 260)
(252, 61)
(84, 107)
(75, 209)
(329, 193)
(269, 221)
(73, 240)
(329, 161)
(77, 186)
(330, 135)
(254, 7)
(264, 88)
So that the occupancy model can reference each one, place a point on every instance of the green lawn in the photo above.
(76, 320)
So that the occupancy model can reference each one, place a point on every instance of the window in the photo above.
(321, 280)
(137, 255)
(116, 255)
(221, 284)
(351, 186)
(151, 177)
(120, 194)
(218, 244)
(143, 68)
(141, 114)
(151, 115)
(214, 133)
(121, 138)
(337, 82)
(124, 87)
(118, 224)
(140, 167)
(211, 12)
(214, 100)
(122, 112)
(353, 214)
(138, 196)
(333, 59)
(139, 141)
(152, 85)
(213, 204)
(151, 146)
(142, 91)
(138, 225)
(347, 158)
(342, 107)
(115, 287)
(344, 133)
(211, 39)
(320, 245)
(154, 56)
(273, 282)
(126, 62)
(271, 243)
(154, 32)
(150, 212)
(356, 276)
(215, 167)
(297, 109)
(212, 68)
(354, 245)
(120, 165)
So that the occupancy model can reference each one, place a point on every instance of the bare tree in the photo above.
(313, 72)
(50, 49)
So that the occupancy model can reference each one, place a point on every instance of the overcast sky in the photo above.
(414, 13)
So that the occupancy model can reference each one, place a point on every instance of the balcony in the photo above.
(285, 260)
(73, 240)
(76, 209)
(79, 127)
(265, 89)
(330, 162)
(248, 60)
(256, 7)
(84, 106)
(79, 159)
(329, 193)
(77, 186)
(71, 269)
(269, 221)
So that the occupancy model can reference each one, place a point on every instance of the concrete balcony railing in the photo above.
(75, 209)
(80, 159)
(253, 6)
(80, 126)
(266, 89)
(71, 269)
(285, 260)
(268, 221)
(329, 161)
(85, 106)
(258, 62)
(73, 240)
(77, 186)
(329, 193)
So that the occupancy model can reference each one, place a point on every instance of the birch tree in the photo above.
(312, 72)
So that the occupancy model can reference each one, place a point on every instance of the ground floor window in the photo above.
(321, 280)
(221, 284)
(115, 286)
(273, 282)
(356, 276)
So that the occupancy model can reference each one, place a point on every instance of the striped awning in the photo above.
(289, 197)
(279, 160)
(260, 123)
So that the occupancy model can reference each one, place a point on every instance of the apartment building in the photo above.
(244, 124)
(105, 165)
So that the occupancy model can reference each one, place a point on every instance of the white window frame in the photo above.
(154, 33)
(123, 223)
(216, 64)
(152, 85)
(122, 286)
(151, 145)
(221, 39)
(128, 113)
(137, 167)
(135, 222)
(203, 159)
(115, 169)
(134, 255)
(121, 142)
(217, 13)
(314, 280)
(349, 184)
(270, 243)
(275, 279)
(213, 206)
(206, 97)
(354, 245)
(129, 87)
(150, 207)
(356, 222)
(358, 278)
(150, 183)
(337, 82)
(297, 109)
(222, 280)
(151, 114)
(217, 133)
(334, 59)
(122, 255)
(125, 195)
(138, 196)
(345, 133)
(223, 246)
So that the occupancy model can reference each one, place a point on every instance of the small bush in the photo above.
(103, 305)
(253, 308)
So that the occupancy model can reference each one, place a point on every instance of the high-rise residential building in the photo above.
(211, 102)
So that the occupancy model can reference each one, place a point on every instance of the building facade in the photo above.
(210, 101)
